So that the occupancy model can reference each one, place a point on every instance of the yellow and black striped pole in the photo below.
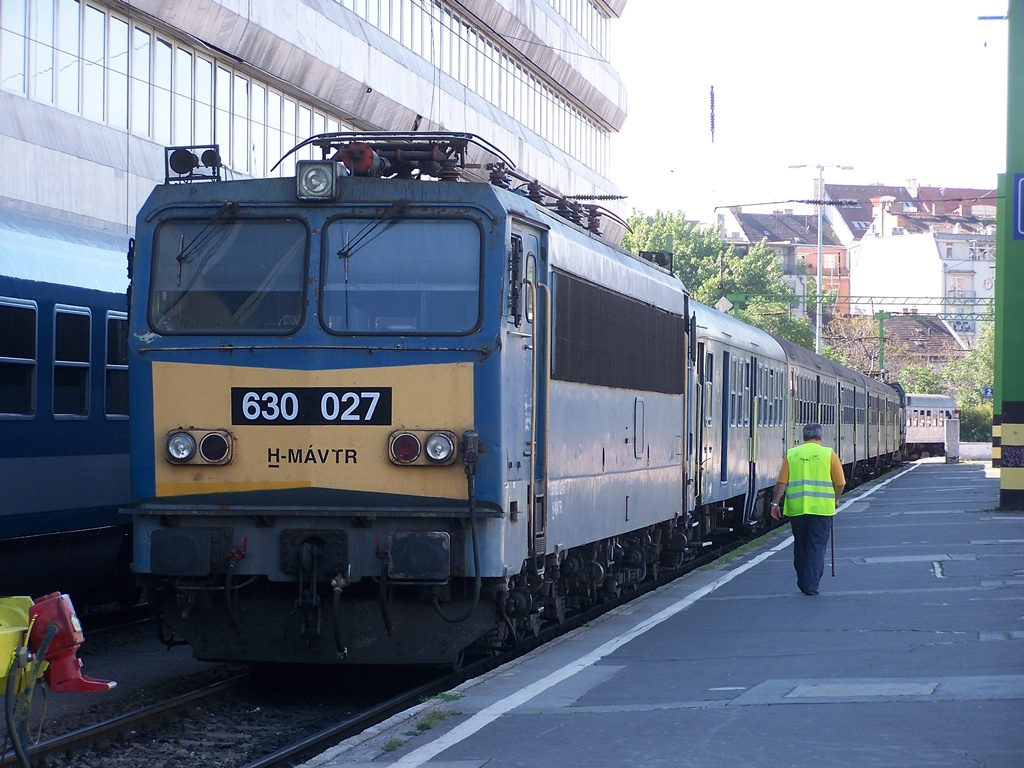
(1008, 421)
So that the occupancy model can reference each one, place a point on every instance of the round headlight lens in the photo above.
(440, 447)
(316, 181)
(181, 446)
(405, 448)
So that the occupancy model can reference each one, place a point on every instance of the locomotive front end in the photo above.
(309, 359)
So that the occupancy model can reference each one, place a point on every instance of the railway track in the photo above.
(115, 728)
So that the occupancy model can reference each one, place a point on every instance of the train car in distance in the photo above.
(753, 394)
(64, 470)
(933, 427)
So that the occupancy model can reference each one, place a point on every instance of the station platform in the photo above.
(913, 655)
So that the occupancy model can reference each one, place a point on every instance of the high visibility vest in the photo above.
(810, 490)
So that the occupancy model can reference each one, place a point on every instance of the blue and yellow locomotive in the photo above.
(381, 420)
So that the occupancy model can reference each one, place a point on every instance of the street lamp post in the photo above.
(821, 207)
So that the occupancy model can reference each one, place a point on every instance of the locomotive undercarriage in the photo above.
(330, 620)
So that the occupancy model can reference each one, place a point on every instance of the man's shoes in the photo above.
(808, 591)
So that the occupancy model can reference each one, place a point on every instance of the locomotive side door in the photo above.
(524, 384)
(536, 359)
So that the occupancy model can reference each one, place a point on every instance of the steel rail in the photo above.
(109, 729)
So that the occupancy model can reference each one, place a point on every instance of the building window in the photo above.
(68, 53)
(71, 358)
(18, 333)
(117, 63)
(94, 92)
(140, 82)
(13, 36)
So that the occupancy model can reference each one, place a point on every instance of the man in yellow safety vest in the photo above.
(812, 480)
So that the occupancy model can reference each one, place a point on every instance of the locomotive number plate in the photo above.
(311, 405)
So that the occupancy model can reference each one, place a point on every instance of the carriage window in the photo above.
(17, 358)
(115, 397)
(228, 275)
(71, 359)
(401, 276)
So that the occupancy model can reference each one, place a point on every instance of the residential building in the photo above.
(911, 261)
(794, 239)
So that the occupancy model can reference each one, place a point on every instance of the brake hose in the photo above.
(470, 457)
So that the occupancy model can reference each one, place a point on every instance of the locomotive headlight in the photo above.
(318, 179)
(440, 448)
(181, 447)
(405, 448)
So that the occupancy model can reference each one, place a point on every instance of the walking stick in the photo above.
(832, 539)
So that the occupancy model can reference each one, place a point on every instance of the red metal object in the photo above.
(64, 673)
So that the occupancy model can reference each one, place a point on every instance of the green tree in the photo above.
(967, 377)
(696, 251)
(922, 379)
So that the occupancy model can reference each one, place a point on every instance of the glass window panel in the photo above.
(18, 353)
(140, 82)
(258, 127)
(406, 24)
(303, 128)
(385, 16)
(288, 136)
(94, 95)
(222, 118)
(416, 276)
(203, 102)
(12, 46)
(319, 123)
(116, 391)
(420, 23)
(162, 63)
(68, 48)
(41, 51)
(274, 150)
(71, 348)
(237, 276)
(117, 104)
(182, 96)
(444, 42)
(240, 121)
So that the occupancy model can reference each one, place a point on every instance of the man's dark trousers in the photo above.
(810, 539)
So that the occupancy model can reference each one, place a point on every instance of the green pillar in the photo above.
(1008, 424)
(881, 317)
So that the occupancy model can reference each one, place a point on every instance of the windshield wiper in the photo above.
(185, 252)
(389, 215)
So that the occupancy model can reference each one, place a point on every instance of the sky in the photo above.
(897, 89)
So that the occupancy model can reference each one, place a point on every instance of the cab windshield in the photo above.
(401, 276)
(228, 275)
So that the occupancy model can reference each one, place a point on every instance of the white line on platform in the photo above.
(488, 715)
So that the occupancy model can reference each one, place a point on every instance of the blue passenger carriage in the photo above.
(63, 410)
(384, 419)
(740, 432)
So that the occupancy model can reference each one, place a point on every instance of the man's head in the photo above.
(812, 432)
